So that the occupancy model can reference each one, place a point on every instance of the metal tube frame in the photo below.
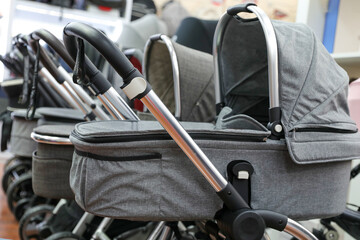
(157, 230)
(99, 233)
(61, 90)
(80, 105)
(175, 69)
(116, 103)
(272, 53)
(185, 142)
(295, 229)
(50, 139)
(117, 108)
(83, 95)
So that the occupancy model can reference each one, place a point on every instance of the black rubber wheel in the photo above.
(64, 236)
(13, 172)
(21, 208)
(20, 189)
(9, 162)
(32, 221)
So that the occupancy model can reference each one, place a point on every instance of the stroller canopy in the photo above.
(313, 88)
(183, 79)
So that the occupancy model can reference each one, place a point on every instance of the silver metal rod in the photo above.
(117, 104)
(83, 95)
(80, 104)
(55, 85)
(110, 108)
(166, 233)
(156, 232)
(216, 47)
(100, 231)
(298, 231)
(82, 224)
(175, 70)
(59, 205)
(271, 45)
(185, 142)
(50, 139)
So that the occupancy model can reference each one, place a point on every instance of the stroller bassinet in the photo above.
(52, 161)
(182, 77)
(132, 170)
(21, 143)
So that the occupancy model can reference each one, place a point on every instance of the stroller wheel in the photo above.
(19, 189)
(14, 171)
(64, 236)
(21, 207)
(32, 222)
(9, 162)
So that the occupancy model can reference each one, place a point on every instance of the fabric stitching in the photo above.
(297, 99)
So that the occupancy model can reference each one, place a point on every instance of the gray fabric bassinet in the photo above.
(52, 161)
(21, 143)
(133, 170)
(182, 78)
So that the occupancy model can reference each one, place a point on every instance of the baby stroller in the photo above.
(131, 159)
(51, 164)
(20, 193)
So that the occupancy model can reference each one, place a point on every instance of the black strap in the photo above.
(5, 117)
(34, 89)
(79, 68)
(25, 87)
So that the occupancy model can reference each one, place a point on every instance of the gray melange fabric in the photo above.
(61, 113)
(50, 171)
(226, 120)
(196, 70)
(21, 143)
(136, 33)
(169, 187)
(159, 73)
(57, 130)
(51, 164)
(313, 88)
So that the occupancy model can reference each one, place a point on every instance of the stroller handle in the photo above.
(92, 72)
(99, 81)
(106, 47)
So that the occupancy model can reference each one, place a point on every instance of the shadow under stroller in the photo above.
(140, 159)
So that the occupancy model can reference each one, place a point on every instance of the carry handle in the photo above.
(272, 54)
(96, 78)
(271, 45)
(239, 8)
